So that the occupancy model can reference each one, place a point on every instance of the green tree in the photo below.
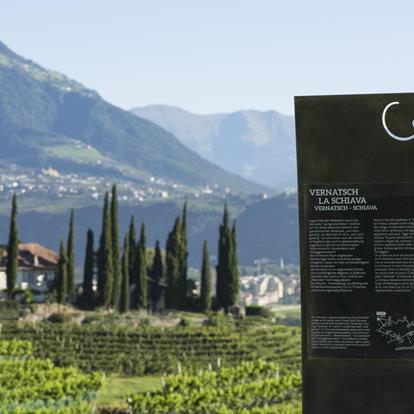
(12, 251)
(125, 294)
(116, 291)
(132, 251)
(184, 256)
(227, 287)
(62, 283)
(157, 275)
(71, 254)
(88, 269)
(205, 291)
(173, 255)
(223, 263)
(105, 258)
(233, 282)
(142, 271)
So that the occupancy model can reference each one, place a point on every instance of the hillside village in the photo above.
(55, 185)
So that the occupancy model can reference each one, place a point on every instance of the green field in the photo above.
(117, 388)
(71, 152)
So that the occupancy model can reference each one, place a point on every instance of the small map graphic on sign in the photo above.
(398, 332)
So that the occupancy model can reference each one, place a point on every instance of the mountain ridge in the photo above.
(258, 145)
(49, 120)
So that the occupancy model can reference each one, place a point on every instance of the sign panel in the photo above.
(356, 204)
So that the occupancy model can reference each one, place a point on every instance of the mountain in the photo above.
(62, 145)
(259, 146)
(54, 126)
(267, 228)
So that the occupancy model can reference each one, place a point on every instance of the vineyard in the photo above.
(251, 387)
(30, 385)
(144, 351)
(50, 368)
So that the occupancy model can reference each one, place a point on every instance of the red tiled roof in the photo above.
(33, 255)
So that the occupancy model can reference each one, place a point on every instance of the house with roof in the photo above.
(37, 269)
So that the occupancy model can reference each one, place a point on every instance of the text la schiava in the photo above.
(340, 199)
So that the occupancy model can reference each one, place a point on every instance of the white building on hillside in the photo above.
(38, 268)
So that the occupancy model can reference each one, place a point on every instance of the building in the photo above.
(261, 290)
(38, 267)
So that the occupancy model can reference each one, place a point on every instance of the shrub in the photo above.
(60, 318)
(184, 322)
(219, 320)
(254, 310)
(27, 296)
(145, 322)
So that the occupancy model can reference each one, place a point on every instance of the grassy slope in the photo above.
(117, 388)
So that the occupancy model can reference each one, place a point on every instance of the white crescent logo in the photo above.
(392, 135)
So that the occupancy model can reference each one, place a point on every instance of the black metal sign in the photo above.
(356, 199)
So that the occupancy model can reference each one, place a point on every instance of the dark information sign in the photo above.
(356, 204)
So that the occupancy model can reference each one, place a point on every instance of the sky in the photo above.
(218, 55)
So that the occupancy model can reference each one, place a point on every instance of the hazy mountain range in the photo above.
(258, 146)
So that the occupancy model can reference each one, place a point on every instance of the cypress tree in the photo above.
(205, 290)
(88, 270)
(116, 292)
(132, 251)
(12, 251)
(157, 275)
(173, 253)
(71, 254)
(100, 258)
(124, 300)
(233, 283)
(223, 264)
(62, 282)
(184, 256)
(105, 258)
(143, 236)
(142, 271)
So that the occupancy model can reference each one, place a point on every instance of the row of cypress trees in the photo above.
(117, 272)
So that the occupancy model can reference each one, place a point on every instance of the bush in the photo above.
(60, 318)
(219, 320)
(145, 322)
(184, 322)
(27, 296)
(254, 310)
(93, 319)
